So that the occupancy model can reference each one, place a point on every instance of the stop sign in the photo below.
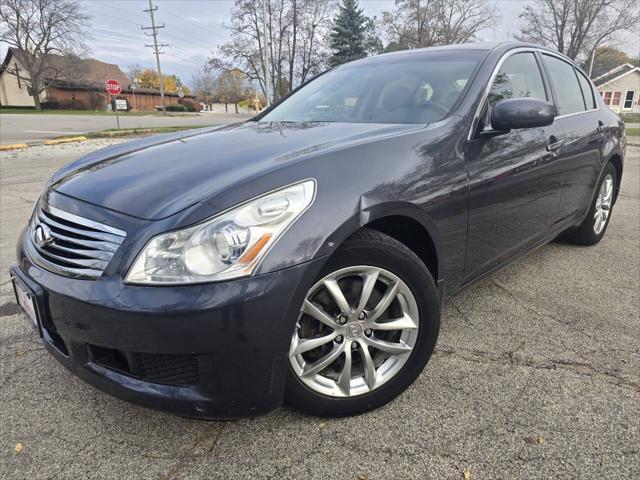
(114, 87)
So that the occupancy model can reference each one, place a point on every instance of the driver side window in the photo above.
(518, 77)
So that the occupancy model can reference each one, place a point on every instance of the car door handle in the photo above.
(554, 144)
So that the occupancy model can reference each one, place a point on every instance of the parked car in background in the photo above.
(303, 256)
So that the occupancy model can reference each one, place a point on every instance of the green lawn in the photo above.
(114, 132)
(630, 117)
(633, 132)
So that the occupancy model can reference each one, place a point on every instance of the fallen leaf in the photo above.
(323, 424)
(20, 353)
(364, 476)
(541, 440)
(466, 474)
(19, 448)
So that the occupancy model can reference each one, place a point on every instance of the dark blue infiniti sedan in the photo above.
(303, 256)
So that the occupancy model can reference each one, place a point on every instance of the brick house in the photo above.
(78, 84)
(620, 88)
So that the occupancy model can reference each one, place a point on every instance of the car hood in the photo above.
(157, 177)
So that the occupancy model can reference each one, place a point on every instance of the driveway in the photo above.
(33, 127)
(536, 375)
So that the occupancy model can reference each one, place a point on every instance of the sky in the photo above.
(195, 28)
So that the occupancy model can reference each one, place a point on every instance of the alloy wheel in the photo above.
(603, 205)
(357, 328)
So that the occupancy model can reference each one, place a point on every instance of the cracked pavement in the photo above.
(536, 375)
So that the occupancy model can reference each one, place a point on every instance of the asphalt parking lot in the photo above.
(536, 375)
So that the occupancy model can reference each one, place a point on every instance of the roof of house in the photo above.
(86, 73)
(615, 73)
(77, 72)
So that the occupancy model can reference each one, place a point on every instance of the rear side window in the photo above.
(565, 83)
(587, 91)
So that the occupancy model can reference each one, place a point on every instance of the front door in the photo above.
(515, 179)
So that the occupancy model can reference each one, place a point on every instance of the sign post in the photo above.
(114, 88)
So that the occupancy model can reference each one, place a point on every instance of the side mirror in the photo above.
(517, 113)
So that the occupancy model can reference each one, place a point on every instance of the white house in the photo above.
(620, 88)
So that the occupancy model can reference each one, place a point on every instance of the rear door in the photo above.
(584, 129)
(515, 179)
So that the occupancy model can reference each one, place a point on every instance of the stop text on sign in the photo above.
(113, 87)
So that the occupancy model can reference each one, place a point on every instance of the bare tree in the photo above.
(296, 47)
(425, 23)
(39, 31)
(134, 71)
(315, 24)
(231, 88)
(577, 27)
(203, 83)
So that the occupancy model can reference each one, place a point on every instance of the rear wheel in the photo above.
(366, 329)
(595, 224)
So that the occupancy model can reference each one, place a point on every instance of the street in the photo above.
(536, 373)
(33, 127)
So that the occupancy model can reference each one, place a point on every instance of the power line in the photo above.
(156, 48)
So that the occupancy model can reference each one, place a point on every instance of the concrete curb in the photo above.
(57, 141)
(13, 146)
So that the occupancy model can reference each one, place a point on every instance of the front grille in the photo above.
(71, 245)
(175, 370)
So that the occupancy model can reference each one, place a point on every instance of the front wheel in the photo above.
(594, 226)
(366, 329)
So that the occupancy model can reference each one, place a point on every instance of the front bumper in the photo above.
(212, 351)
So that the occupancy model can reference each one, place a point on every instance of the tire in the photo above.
(589, 232)
(390, 267)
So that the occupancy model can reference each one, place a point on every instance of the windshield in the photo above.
(415, 88)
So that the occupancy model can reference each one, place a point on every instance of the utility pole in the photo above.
(265, 48)
(156, 48)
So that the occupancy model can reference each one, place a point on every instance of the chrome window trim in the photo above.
(494, 74)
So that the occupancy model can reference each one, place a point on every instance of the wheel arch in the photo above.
(616, 161)
(413, 235)
(411, 226)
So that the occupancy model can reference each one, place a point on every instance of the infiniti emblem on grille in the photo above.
(42, 235)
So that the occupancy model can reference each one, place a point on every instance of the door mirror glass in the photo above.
(517, 113)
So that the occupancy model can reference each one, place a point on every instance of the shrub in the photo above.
(50, 105)
(176, 107)
(189, 105)
(69, 104)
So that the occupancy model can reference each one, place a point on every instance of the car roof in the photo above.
(471, 46)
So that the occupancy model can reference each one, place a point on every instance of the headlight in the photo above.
(229, 245)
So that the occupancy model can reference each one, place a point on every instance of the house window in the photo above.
(607, 98)
(616, 98)
(628, 99)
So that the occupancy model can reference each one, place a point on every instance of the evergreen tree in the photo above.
(348, 33)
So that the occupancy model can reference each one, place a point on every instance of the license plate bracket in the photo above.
(27, 301)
